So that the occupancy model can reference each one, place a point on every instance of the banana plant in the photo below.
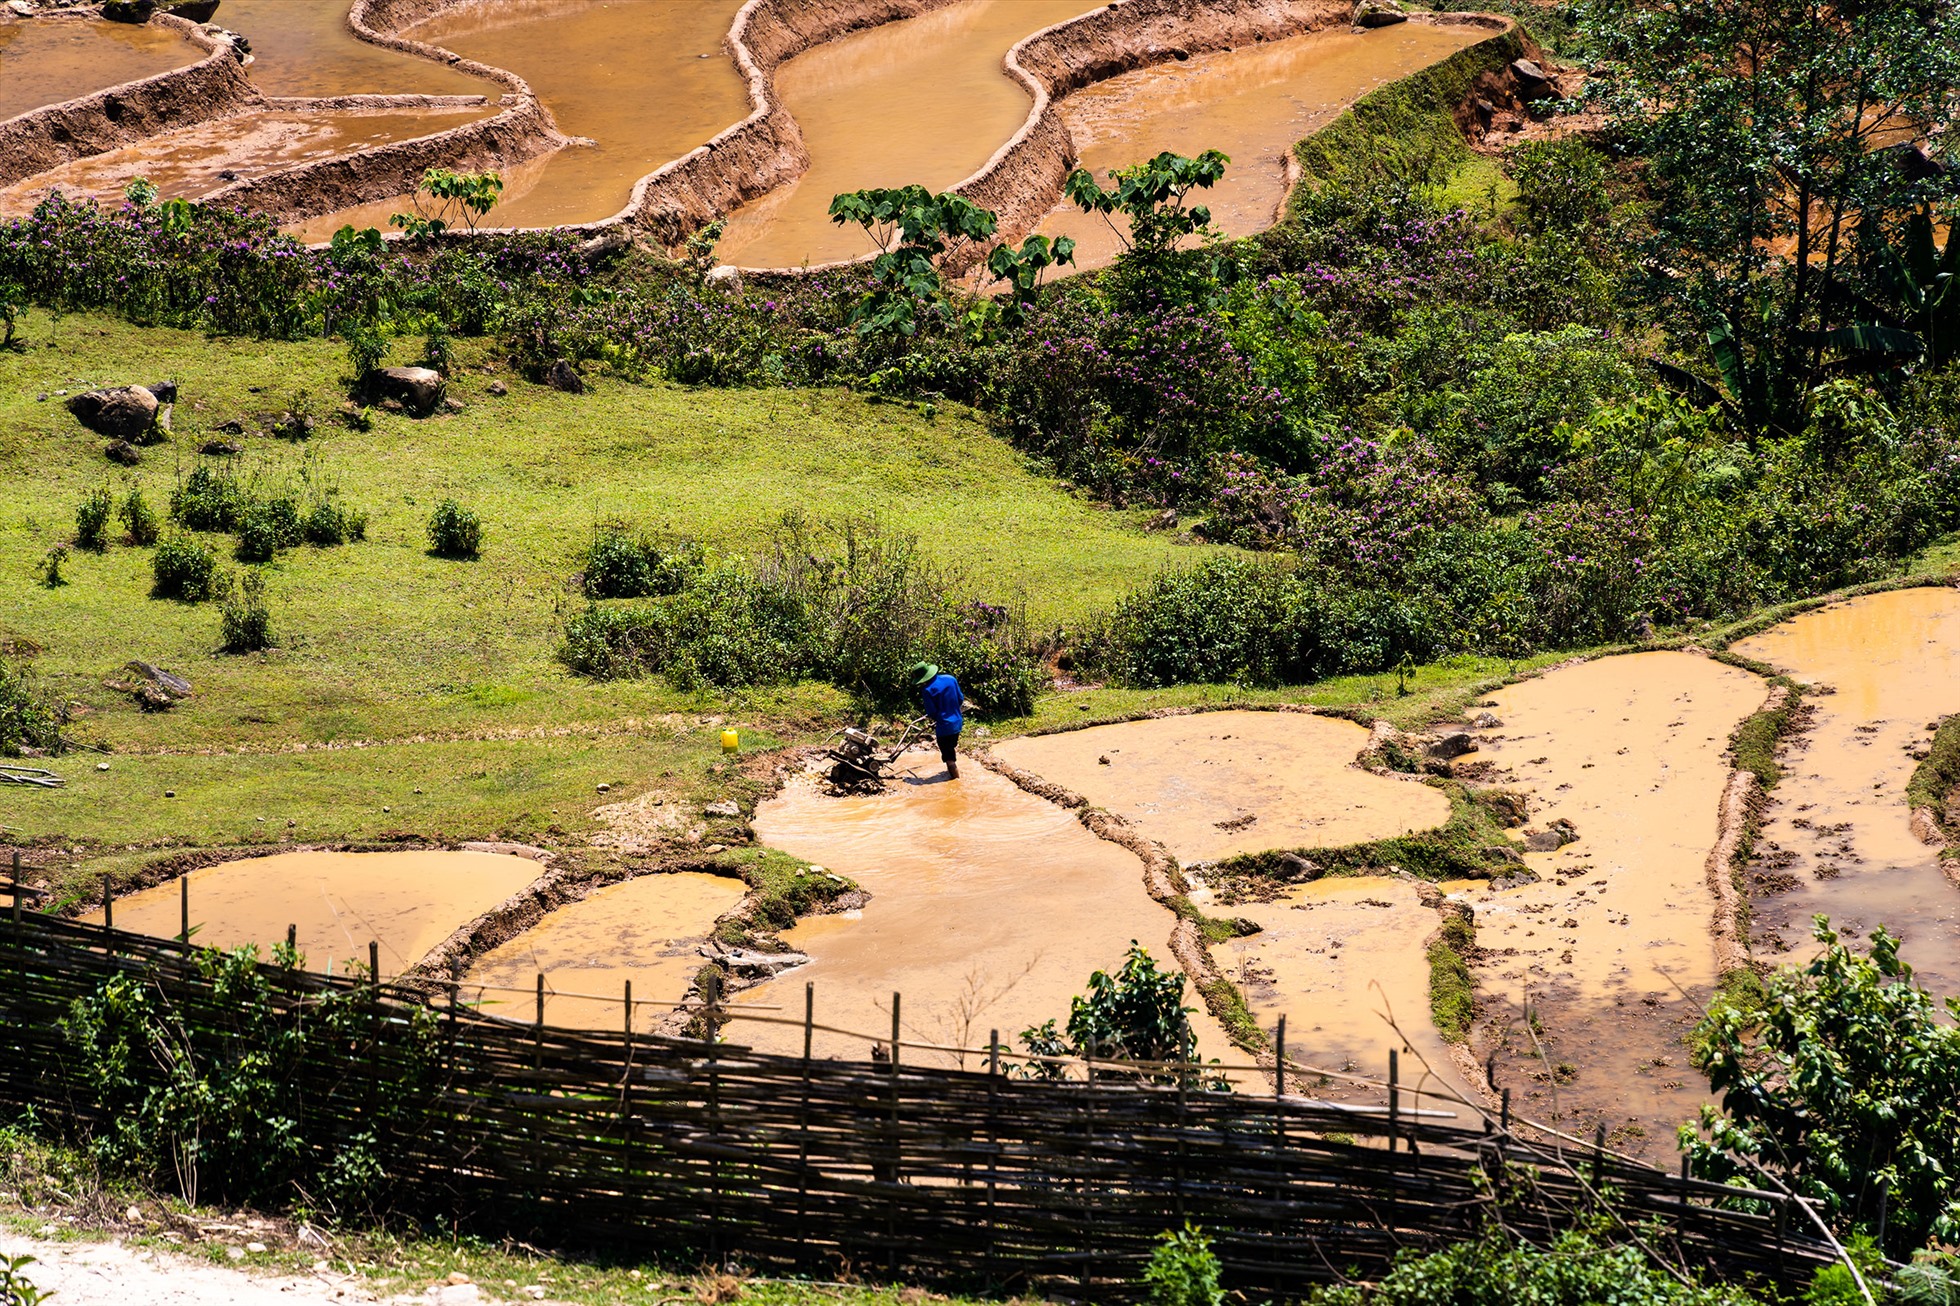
(1914, 277)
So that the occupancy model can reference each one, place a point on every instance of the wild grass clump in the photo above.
(1452, 991)
(30, 716)
(92, 520)
(267, 526)
(853, 605)
(455, 531)
(209, 499)
(1470, 845)
(244, 617)
(183, 568)
(329, 522)
(1935, 783)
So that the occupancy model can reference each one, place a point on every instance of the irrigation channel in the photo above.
(627, 89)
(985, 902)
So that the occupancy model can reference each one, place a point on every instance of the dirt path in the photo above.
(113, 1274)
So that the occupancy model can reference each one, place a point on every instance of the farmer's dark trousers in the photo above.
(947, 745)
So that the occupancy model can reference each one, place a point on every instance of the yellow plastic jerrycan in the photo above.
(730, 741)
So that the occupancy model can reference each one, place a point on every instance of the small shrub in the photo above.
(267, 526)
(438, 350)
(208, 500)
(621, 565)
(139, 520)
(49, 567)
(92, 520)
(244, 620)
(454, 531)
(328, 523)
(1183, 1270)
(30, 717)
(367, 349)
(183, 568)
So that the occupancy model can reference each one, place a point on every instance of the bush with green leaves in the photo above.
(30, 716)
(1562, 186)
(1841, 1078)
(1183, 1270)
(183, 567)
(16, 1289)
(329, 522)
(1576, 1269)
(50, 565)
(1137, 1014)
(620, 564)
(205, 1099)
(267, 526)
(209, 499)
(92, 520)
(244, 617)
(140, 525)
(454, 531)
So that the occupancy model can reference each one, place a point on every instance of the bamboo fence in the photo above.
(705, 1152)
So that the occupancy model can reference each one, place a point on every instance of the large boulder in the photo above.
(417, 389)
(563, 376)
(1452, 745)
(1534, 83)
(197, 11)
(1379, 13)
(129, 11)
(124, 412)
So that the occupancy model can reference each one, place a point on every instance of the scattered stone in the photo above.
(605, 789)
(417, 389)
(195, 11)
(1163, 521)
(221, 448)
(125, 412)
(1454, 744)
(153, 688)
(1552, 838)
(535, 1291)
(725, 808)
(714, 848)
(726, 277)
(129, 11)
(743, 961)
(497, 388)
(255, 1248)
(610, 241)
(24, 10)
(232, 427)
(451, 404)
(123, 452)
(102, 766)
(1103, 760)
(563, 376)
(391, 406)
(1379, 13)
(132, 1215)
(1533, 82)
(1295, 867)
(165, 391)
(235, 1253)
(457, 1276)
(1486, 721)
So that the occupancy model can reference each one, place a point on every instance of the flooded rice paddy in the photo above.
(47, 61)
(925, 100)
(407, 901)
(1337, 958)
(647, 931)
(1253, 103)
(1838, 839)
(1211, 784)
(305, 47)
(990, 908)
(194, 161)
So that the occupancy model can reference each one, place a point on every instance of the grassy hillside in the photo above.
(398, 670)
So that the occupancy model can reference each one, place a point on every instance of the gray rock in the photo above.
(563, 376)
(123, 452)
(196, 11)
(1454, 744)
(725, 277)
(1486, 721)
(726, 808)
(497, 388)
(21, 8)
(744, 962)
(1531, 78)
(221, 448)
(452, 405)
(1553, 837)
(1295, 867)
(124, 412)
(1379, 16)
(610, 241)
(165, 391)
(417, 389)
(129, 11)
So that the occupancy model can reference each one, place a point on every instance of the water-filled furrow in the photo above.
(989, 910)
(925, 100)
(1211, 784)
(408, 902)
(47, 60)
(1253, 103)
(647, 931)
(1838, 839)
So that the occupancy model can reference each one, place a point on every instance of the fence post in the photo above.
(184, 911)
(374, 1027)
(993, 1151)
(1394, 1096)
(1599, 1156)
(108, 906)
(1183, 1123)
(1088, 1146)
(16, 907)
(803, 1120)
(1279, 1123)
(897, 1154)
(292, 938)
(714, 1117)
(537, 1029)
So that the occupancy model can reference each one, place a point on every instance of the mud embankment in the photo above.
(522, 131)
(214, 87)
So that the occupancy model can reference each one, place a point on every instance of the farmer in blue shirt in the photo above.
(941, 695)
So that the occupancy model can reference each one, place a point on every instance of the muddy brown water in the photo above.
(1838, 837)
(46, 61)
(305, 47)
(925, 100)
(989, 909)
(1337, 958)
(1631, 750)
(647, 930)
(1212, 784)
(193, 161)
(1254, 103)
(407, 901)
(645, 82)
